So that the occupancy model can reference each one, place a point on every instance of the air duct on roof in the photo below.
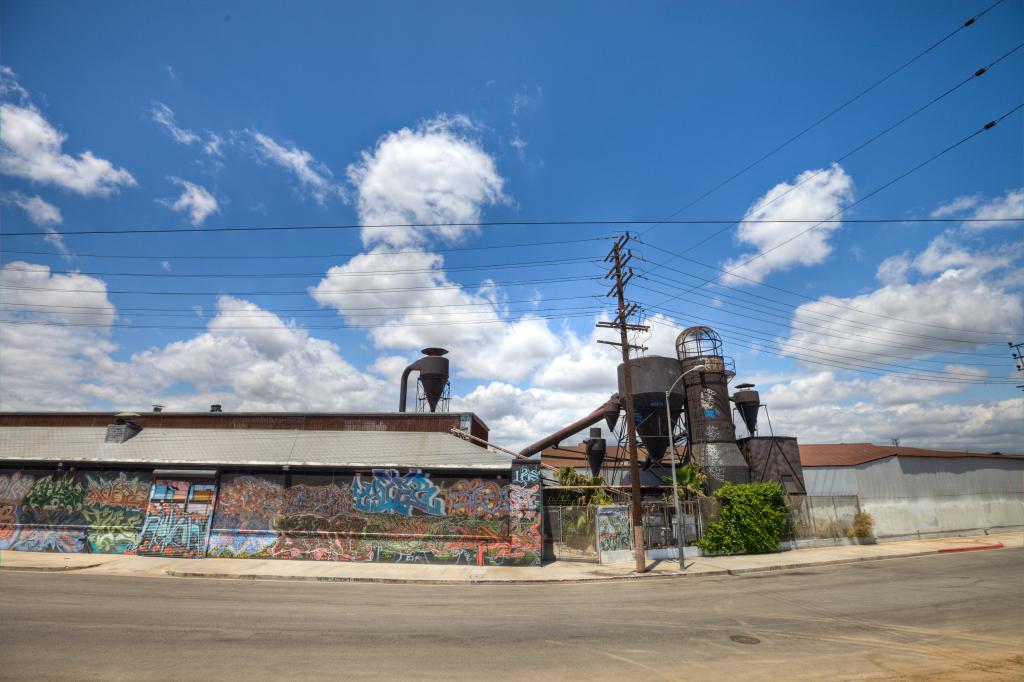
(433, 370)
(122, 429)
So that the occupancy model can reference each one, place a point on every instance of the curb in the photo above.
(972, 548)
(50, 569)
(424, 581)
(562, 581)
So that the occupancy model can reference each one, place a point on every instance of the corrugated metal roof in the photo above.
(851, 454)
(233, 447)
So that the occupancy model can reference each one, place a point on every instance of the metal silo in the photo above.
(712, 435)
(652, 376)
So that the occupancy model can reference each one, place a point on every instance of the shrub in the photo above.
(752, 519)
(863, 526)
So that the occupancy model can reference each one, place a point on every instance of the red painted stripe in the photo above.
(998, 545)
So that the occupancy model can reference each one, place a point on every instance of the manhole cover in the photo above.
(745, 639)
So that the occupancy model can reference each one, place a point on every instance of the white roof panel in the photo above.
(250, 447)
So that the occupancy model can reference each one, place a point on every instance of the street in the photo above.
(936, 617)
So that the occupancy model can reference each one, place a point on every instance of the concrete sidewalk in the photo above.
(557, 572)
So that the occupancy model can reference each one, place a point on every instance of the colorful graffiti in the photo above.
(613, 529)
(392, 517)
(177, 519)
(475, 498)
(392, 492)
(71, 512)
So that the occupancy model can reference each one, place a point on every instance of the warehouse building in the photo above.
(914, 492)
(344, 487)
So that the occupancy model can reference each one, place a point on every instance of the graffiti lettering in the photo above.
(122, 491)
(474, 498)
(392, 492)
(526, 475)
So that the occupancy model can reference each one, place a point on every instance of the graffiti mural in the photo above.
(48, 511)
(614, 531)
(391, 491)
(177, 519)
(389, 516)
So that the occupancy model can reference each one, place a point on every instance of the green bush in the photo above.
(752, 519)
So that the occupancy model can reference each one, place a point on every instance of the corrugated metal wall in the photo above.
(909, 496)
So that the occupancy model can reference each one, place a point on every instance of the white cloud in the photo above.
(247, 359)
(975, 208)
(520, 416)
(256, 362)
(434, 174)
(195, 200)
(44, 364)
(31, 149)
(314, 176)
(818, 195)
(164, 115)
(1010, 205)
(42, 214)
(410, 303)
(985, 426)
(955, 304)
(10, 89)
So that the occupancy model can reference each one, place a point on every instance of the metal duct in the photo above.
(611, 405)
(748, 403)
(433, 370)
(596, 449)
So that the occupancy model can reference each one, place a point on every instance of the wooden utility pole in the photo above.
(620, 259)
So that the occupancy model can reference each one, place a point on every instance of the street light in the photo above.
(672, 454)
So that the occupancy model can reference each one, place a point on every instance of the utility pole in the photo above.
(1018, 357)
(620, 257)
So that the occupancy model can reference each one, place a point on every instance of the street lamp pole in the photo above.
(672, 455)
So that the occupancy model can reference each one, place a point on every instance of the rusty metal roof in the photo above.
(851, 454)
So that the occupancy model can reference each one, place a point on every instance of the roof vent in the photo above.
(216, 408)
(121, 430)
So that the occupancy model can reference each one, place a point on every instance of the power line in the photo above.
(494, 223)
(815, 124)
(818, 347)
(489, 320)
(340, 292)
(276, 310)
(824, 331)
(817, 316)
(318, 256)
(916, 374)
(313, 314)
(977, 74)
(779, 289)
(988, 126)
(324, 275)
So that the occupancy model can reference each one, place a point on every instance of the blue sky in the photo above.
(206, 115)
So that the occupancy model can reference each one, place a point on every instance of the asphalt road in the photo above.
(959, 616)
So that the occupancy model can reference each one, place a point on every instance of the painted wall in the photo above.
(399, 516)
(53, 511)
(911, 496)
(383, 515)
(177, 519)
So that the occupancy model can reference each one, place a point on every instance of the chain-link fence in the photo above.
(574, 533)
(570, 533)
(821, 517)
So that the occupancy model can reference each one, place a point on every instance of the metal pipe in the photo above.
(560, 435)
(672, 454)
(404, 387)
